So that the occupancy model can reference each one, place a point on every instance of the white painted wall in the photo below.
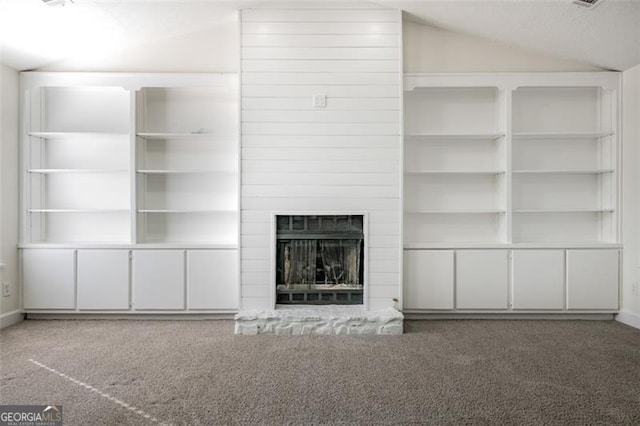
(9, 187)
(342, 158)
(213, 49)
(430, 49)
(630, 312)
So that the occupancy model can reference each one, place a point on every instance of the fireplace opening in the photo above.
(320, 259)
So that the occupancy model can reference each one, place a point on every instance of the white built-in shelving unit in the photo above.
(187, 165)
(455, 153)
(71, 194)
(514, 173)
(132, 177)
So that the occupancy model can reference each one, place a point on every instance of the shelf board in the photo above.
(175, 171)
(190, 136)
(454, 172)
(84, 135)
(77, 210)
(451, 136)
(51, 171)
(565, 172)
(551, 135)
(563, 211)
(186, 210)
(488, 211)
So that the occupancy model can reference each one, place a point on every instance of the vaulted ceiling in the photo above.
(34, 34)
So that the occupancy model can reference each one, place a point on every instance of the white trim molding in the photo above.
(629, 318)
(11, 318)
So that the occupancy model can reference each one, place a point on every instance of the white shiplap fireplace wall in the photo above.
(345, 157)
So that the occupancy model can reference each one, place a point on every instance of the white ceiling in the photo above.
(33, 34)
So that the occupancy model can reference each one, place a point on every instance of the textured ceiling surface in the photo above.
(33, 34)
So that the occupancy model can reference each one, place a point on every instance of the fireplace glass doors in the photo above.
(320, 259)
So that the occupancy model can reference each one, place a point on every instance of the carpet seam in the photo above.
(111, 398)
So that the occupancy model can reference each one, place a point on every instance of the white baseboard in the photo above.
(11, 318)
(629, 318)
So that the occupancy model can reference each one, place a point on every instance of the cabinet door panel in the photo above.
(103, 279)
(48, 279)
(592, 279)
(212, 276)
(481, 279)
(538, 279)
(428, 279)
(158, 279)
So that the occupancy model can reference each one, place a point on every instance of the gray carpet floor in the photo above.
(439, 372)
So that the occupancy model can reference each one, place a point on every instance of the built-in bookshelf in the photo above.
(76, 150)
(455, 165)
(117, 161)
(510, 159)
(564, 165)
(187, 165)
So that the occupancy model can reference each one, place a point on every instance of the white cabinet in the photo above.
(592, 279)
(482, 279)
(428, 279)
(538, 279)
(119, 163)
(212, 279)
(103, 279)
(158, 279)
(48, 279)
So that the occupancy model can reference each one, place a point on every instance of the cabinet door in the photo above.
(212, 277)
(48, 279)
(158, 279)
(481, 279)
(103, 279)
(428, 279)
(538, 279)
(592, 279)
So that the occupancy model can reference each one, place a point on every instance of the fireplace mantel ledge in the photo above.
(329, 319)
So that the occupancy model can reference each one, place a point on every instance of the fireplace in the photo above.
(319, 259)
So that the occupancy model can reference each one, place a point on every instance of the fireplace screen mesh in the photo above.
(320, 259)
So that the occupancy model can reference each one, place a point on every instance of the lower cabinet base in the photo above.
(505, 316)
(189, 316)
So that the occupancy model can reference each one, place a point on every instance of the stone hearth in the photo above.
(319, 320)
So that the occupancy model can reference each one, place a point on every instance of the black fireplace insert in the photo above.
(320, 259)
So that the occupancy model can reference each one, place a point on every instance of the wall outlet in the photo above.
(319, 101)
(634, 287)
(6, 289)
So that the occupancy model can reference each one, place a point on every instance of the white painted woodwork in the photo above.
(212, 279)
(187, 150)
(158, 279)
(48, 279)
(342, 158)
(538, 279)
(592, 279)
(549, 139)
(103, 279)
(482, 279)
(428, 279)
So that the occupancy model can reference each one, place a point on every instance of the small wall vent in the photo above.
(587, 3)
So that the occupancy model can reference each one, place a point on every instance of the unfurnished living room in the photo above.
(237, 212)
